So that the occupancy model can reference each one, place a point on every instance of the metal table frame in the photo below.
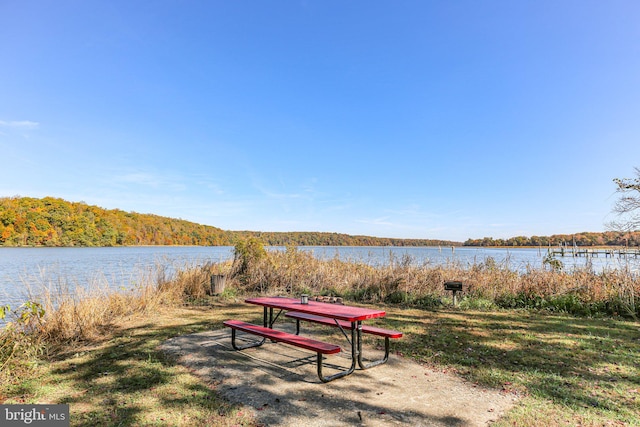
(355, 315)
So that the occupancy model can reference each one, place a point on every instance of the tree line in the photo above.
(27, 221)
(607, 238)
(624, 230)
(303, 238)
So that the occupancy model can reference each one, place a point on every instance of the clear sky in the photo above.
(411, 119)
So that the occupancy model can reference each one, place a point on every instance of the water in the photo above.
(123, 267)
(64, 269)
(516, 259)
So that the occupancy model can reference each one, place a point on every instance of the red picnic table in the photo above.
(338, 315)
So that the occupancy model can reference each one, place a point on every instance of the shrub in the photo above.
(429, 301)
(476, 303)
(398, 297)
(247, 253)
(20, 340)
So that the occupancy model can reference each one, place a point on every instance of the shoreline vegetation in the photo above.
(54, 222)
(565, 342)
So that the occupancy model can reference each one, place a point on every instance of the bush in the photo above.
(398, 297)
(476, 303)
(521, 300)
(20, 340)
(247, 253)
(569, 303)
(428, 301)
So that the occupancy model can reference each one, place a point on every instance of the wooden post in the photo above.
(217, 283)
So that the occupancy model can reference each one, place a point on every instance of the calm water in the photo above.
(64, 269)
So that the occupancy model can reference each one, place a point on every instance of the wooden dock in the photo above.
(582, 252)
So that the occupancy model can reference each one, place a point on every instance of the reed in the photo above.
(60, 315)
(579, 292)
(83, 313)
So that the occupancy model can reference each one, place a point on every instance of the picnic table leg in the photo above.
(354, 350)
(376, 362)
(242, 347)
(250, 345)
(269, 323)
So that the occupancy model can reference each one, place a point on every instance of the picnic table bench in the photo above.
(295, 340)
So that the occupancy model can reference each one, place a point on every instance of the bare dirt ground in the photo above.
(279, 383)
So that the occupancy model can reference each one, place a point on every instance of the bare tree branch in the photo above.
(628, 206)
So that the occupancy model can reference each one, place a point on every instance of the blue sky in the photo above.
(411, 119)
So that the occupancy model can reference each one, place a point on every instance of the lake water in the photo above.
(22, 269)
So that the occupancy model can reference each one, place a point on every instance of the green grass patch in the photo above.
(581, 371)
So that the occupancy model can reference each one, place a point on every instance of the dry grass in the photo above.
(292, 272)
(57, 317)
(84, 313)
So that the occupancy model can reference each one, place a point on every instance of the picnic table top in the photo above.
(335, 311)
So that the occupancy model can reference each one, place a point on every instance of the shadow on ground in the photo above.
(281, 385)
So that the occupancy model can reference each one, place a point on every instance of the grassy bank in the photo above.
(98, 351)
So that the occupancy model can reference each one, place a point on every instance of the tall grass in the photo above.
(61, 315)
(581, 292)
(84, 313)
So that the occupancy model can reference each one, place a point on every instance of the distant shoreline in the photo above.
(460, 245)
